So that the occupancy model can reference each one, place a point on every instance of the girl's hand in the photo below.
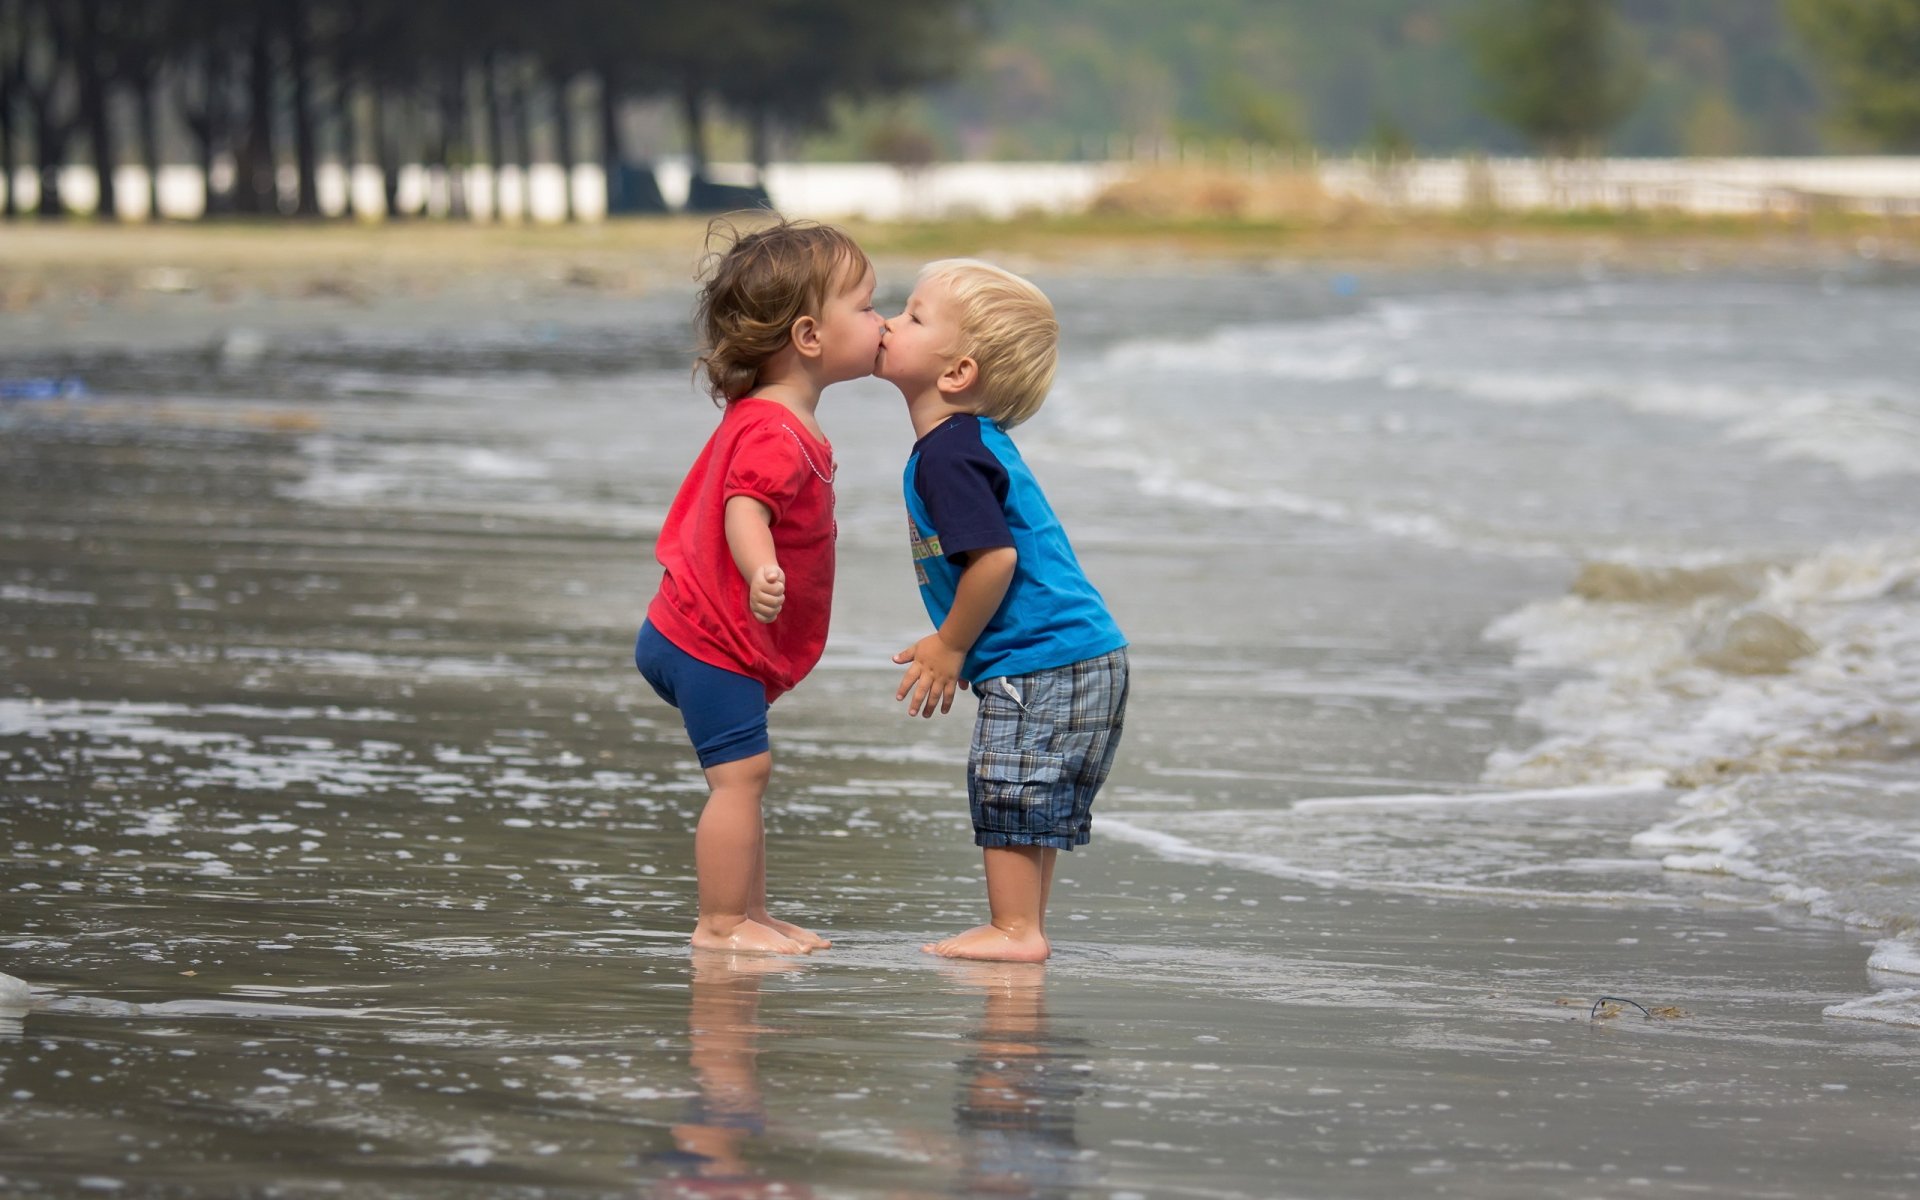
(933, 673)
(767, 593)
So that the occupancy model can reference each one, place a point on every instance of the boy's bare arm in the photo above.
(934, 662)
(750, 541)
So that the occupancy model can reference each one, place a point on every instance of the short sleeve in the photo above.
(767, 464)
(964, 486)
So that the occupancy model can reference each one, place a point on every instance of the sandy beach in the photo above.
(347, 855)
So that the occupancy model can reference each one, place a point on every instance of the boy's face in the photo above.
(849, 327)
(922, 342)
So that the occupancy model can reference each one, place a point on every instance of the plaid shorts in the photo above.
(1041, 749)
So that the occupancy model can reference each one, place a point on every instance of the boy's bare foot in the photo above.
(747, 937)
(806, 937)
(992, 942)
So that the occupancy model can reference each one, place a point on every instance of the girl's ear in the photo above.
(960, 375)
(805, 336)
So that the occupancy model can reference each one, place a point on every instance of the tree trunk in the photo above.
(455, 142)
(147, 95)
(496, 131)
(760, 142)
(383, 153)
(10, 203)
(93, 107)
(43, 84)
(50, 145)
(612, 157)
(523, 128)
(694, 110)
(300, 64)
(563, 134)
(257, 189)
(345, 133)
(206, 124)
(10, 71)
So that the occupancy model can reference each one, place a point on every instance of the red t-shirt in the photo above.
(764, 451)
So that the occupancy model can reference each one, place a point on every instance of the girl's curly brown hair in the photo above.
(755, 285)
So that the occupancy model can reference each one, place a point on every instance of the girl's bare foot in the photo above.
(992, 942)
(746, 937)
(806, 937)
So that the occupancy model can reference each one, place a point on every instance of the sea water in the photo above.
(334, 805)
(1724, 476)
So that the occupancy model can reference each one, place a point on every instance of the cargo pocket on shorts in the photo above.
(1013, 791)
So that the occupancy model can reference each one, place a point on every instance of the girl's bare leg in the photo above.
(757, 909)
(727, 845)
(1017, 879)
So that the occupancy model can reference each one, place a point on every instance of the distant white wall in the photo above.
(1692, 185)
(997, 190)
(885, 193)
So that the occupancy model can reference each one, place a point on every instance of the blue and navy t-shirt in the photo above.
(968, 489)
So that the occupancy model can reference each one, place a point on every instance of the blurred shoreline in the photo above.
(61, 283)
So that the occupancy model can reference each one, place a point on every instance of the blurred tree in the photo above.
(204, 42)
(1388, 140)
(93, 69)
(48, 89)
(1251, 113)
(1057, 77)
(1562, 72)
(137, 33)
(257, 186)
(803, 56)
(260, 84)
(621, 45)
(1872, 51)
(295, 21)
(13, 65)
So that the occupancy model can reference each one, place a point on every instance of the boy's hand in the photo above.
(767, 593)
(933, 672)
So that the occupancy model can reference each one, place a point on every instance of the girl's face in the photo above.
(850, 329)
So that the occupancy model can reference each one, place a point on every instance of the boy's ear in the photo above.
(960, 375)
(805, 336)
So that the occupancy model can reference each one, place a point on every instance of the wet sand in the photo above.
(348, 856)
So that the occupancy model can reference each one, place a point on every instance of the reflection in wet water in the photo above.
(1020, 1084)
(713, 1142)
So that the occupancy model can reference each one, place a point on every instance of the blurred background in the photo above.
(484, 109)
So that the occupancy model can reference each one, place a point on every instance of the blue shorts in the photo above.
(725, 712)
(1041, 749)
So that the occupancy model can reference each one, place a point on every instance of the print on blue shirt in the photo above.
(967, 488)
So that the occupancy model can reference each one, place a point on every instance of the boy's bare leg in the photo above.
(1016, 889)
(1047, 858)
(757, 908)
(726, 845)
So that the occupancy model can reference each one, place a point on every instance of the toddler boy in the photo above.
(974, 354)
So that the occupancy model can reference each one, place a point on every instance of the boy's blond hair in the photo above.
(1008, 328)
